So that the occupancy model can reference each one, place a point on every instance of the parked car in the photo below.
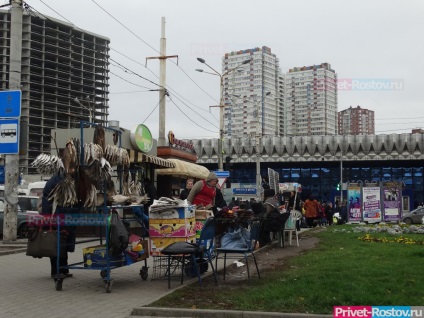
(414, 217)
(28, 215)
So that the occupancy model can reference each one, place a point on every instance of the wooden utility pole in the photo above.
(12, 161)
(162, 83)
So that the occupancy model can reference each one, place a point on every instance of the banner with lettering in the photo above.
(371, 204)
(354, 205)
(392, 203)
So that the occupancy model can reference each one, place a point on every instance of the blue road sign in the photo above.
(9, 136)
(10, 104)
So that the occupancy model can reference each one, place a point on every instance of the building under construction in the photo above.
(64, 79)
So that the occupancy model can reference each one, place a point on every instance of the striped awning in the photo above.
(158, 162)
(185, 169)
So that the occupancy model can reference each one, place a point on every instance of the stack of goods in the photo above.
(169, 223)
(137, 250)
(229, 213)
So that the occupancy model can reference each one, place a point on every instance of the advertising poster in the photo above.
(391, 204)
(372, 204)
(354, 203)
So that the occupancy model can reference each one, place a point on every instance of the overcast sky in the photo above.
(367, 41)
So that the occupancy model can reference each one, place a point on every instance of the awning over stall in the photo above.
(158, 162)
(185, 169)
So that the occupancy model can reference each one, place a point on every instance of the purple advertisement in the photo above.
(354, 203)
(391, 204)
(372, 204)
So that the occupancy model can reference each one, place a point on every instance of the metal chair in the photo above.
(251, 244)
(178, 251)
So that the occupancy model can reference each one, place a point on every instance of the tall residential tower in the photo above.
(356, 121)
(311, 100)
(252, 93)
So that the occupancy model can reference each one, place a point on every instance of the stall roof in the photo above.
(158, 162)
(186, 169)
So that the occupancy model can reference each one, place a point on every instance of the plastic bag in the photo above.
(235, 238)
(118, 235)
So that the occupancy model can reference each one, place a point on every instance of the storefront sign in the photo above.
(141, 138)
(179, 143)
(244, 191)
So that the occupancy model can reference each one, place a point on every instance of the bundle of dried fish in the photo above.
(119, 199)
(136, 188)
(126, 182)
(105, 170)
(70, 157)
(64, 194)
(112, 154)
(124, 157)
(99, 137)
(48, 164)
(91, 199)
(139, 199)
(92, 152)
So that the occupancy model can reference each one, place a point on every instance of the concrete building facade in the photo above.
(356, 121)
(64, 79)
(252, 93)
(311, 101)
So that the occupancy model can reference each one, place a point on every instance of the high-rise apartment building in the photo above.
(252, 93)
(64, 78)
(311, 101)
(356, 121)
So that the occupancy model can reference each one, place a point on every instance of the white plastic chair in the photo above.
(290, 227)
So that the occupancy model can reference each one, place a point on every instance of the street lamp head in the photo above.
(199, 70)
(236, 95)
(267, 93)
(247, 61)
(201, 60)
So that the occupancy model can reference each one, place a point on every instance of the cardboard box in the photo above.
(159, 243)
(203, 214)
(95, 257)
(172, 227)
(174, 213)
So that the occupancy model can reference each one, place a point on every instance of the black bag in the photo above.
(275, 221)
(43, 243)
(118, 236)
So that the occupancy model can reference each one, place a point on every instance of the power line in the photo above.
(133, 33)
(190, 118)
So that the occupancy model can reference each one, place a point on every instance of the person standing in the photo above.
(150, 190)
(329, 212)
(311, 210)
(186, 191)
(204, 191)
(46, 210)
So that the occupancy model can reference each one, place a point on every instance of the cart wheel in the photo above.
(108, 287)
(58, 284)
(144, 272)
(103, 273)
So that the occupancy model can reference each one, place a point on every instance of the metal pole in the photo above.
(221, 125)
(258, 159)
(341, 178)
(162, 90)
(12, 161)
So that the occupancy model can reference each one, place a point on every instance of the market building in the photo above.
(318, 163)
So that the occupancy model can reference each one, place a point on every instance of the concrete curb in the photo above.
(208, 313)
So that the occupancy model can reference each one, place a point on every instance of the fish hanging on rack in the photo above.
(99, 137)
(91, 199)
(48, 164)
(64, 193)
(70, 157)
(126, 182)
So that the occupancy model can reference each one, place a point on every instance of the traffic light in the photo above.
(338, 187)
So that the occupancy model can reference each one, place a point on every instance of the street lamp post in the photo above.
(87, 108)
(221, 105)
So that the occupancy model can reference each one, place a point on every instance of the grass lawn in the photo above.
(342, 271)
